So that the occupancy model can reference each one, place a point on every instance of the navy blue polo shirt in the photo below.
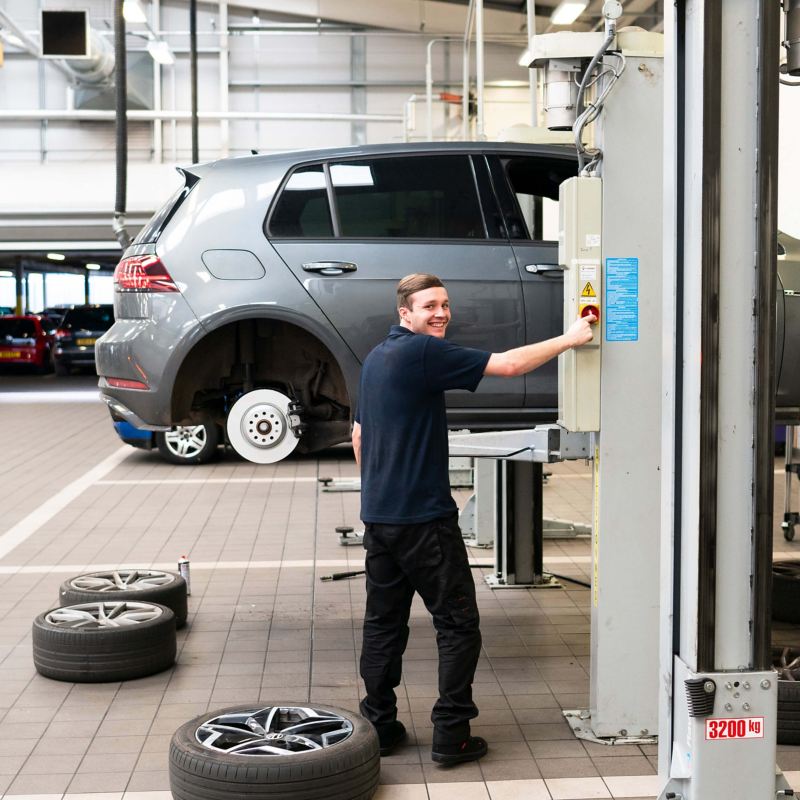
(401, 410)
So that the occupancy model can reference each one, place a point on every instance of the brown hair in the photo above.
(416, 282)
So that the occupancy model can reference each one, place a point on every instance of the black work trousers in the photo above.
(428, 558)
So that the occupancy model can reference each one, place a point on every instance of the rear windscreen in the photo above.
(158, 222)
(17, 329)
(89, 319)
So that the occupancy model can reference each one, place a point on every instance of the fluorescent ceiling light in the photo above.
(4, 273)
(160, 51)
(56, 256)
(92, 266)
(525, 59)
(133, 11)
(12, 39)
(567, 12)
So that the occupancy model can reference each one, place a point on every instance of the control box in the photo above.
(579, 253)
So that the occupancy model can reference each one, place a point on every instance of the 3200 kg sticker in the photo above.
(746, 728)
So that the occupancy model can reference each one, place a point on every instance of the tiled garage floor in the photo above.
(262, 626)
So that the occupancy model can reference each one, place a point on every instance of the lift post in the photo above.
(718, 698)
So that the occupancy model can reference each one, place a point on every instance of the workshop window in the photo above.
(302, 210)
(534, 183)
(415, 197)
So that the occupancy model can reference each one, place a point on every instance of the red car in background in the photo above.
(26, 340)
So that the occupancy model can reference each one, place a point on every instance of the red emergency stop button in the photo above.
(587, 310)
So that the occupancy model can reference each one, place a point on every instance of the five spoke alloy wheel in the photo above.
(138, 585)
(282, 751)
(189, 444)
(104, 641)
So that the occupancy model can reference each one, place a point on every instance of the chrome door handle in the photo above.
(330, 267)
(537, 269)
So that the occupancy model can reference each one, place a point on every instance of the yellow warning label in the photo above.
(588, 291)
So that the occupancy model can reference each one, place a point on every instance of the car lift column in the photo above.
(623, 692)
(718, 694)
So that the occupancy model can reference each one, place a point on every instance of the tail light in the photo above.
(143, 274)
(62, 333)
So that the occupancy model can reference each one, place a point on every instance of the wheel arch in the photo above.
(282, 347)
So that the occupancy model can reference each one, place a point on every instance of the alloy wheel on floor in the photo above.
(104, 641)
(151, 585)
(282, 751)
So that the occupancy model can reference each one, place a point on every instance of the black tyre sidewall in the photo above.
(198, 773)
(104, 655)
(786, 591)
(172, 595)
(206, 454)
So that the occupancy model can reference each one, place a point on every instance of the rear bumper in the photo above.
(134, 436)
(120, 413)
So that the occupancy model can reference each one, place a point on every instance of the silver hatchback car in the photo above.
(251, 299)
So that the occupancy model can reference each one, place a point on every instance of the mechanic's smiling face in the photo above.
(429, 312)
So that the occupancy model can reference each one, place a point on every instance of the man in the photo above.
(411, 534)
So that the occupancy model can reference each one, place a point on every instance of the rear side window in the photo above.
(89, 319)
(413, 197)
(158, 222)
(532, 209)
(17, 329)
(302, 211)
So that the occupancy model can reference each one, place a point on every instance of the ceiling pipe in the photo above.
(24, 115)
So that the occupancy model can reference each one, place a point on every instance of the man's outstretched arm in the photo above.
(357, 442)
(530, 356)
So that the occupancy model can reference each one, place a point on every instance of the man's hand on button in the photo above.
(580, 332)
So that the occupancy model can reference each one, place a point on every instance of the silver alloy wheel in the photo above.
(121, 579)
(274, 731)
(103, 615)
(186, 441)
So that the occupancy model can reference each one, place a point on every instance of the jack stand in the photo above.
(340, 484)
(349, 537)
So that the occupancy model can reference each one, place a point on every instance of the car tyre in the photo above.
(103, 642)
(786, 661)
(204, 766)
(145, 585)
(61, 369)
(786, 591)
(189, 444)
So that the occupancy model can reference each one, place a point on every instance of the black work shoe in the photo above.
(469, 750)
(389, 736)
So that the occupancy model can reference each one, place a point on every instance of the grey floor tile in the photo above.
(567, 768)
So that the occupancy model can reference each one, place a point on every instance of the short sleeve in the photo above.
(450, 366)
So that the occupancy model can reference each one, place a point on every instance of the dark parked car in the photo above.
(76, 335)
(253, 296)
(26, 340)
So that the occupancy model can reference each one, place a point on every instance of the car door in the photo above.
(391, 216)
(527, 191)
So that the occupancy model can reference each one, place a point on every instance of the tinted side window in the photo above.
(302, 209)
(416, 197)
(532, 209)
(158, 222)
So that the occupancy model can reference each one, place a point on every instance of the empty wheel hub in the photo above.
(263, 425)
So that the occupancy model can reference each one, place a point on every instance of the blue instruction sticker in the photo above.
(621, 299)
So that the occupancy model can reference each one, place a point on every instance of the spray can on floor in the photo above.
(183, 571)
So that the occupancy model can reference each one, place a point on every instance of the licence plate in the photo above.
(742, 728)
(84, 342)
(10, 354)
